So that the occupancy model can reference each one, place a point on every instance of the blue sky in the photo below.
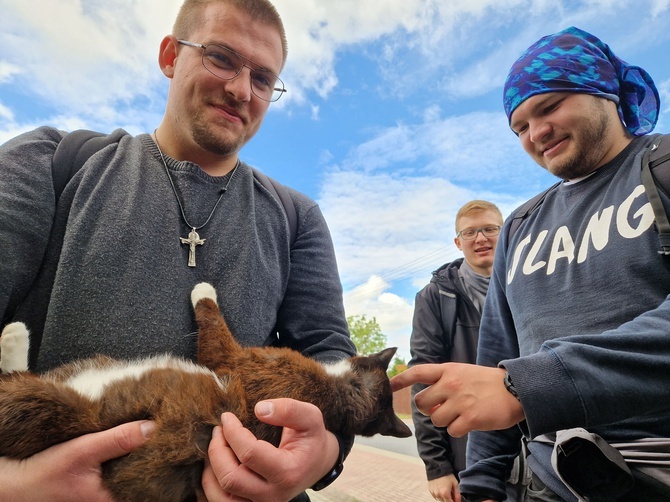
(392, 121)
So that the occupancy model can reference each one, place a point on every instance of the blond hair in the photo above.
(190, 13)
(476, 206)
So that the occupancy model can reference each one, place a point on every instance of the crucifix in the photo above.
(192, 241)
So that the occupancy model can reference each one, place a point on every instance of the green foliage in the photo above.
(397, 366)
(366, 334)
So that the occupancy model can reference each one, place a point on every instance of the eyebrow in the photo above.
(259, 67)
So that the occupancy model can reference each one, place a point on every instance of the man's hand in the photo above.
(70, 471)
(241, 467)
(445, 489)
(462, 397)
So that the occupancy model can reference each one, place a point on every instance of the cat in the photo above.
(184, 399)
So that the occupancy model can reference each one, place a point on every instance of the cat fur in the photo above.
(184, 399)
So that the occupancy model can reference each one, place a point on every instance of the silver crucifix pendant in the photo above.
(192, 241)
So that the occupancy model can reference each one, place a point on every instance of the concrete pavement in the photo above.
(375, 475)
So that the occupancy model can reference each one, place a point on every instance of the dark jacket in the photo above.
(445, 328)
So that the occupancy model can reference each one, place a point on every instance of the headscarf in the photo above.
(573, 60)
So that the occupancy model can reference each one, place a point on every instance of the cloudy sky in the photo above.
(392, 119)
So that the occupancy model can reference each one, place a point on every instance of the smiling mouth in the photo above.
(553, 147)
(231, 112)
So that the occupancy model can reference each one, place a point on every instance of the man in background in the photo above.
(445, 328)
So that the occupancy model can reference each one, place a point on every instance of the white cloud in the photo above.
(93, 58)
(6, 114)
(8, 71)
(659, 7)
(393, 313)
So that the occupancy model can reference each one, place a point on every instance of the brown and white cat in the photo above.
(184, 399)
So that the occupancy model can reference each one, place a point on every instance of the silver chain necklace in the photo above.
(193, 239)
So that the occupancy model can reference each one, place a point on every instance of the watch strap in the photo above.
(345, 445)
(510, 386)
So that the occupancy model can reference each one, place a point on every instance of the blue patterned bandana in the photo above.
(573, 60)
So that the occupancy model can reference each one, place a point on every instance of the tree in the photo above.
(397, 366)
(366, 334)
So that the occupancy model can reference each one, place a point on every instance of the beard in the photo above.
(206, 138)
(589, 146)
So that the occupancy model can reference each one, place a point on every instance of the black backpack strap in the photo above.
(451, 313)
(74, 150)
(526, 210)
(280, 193)
(656, 155)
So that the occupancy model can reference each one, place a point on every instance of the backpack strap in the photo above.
(450, 313)
(74, 150)
(280, 193)
(525, 210)
(78, 146)
(657, 155)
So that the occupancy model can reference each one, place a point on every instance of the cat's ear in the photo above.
(383, 358)
(391, 425)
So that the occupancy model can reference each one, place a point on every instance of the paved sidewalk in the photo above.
(374, 475)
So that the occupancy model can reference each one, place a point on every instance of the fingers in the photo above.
(117, 441)
(212, 491)
(244, 466)
(423, 373)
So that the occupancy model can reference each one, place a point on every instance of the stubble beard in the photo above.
(206, 138)
(589, 147)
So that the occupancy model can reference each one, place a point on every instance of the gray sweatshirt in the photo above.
(104, 270)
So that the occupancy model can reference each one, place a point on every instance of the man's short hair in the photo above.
(476, 206)
(190, 13)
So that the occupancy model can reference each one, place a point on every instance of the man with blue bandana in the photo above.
(574, 346)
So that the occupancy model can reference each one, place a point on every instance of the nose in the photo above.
(480, 236)
(538, 130)
(240, 85)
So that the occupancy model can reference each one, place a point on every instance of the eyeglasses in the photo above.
(227, 64)
(471, 233)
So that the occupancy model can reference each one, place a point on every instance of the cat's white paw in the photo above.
(14, 343)
(202, 290)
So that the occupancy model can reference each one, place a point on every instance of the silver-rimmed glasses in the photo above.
(227, 64)
(470, 233)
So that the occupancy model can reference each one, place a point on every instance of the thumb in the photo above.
(285, 412)
(117, 441)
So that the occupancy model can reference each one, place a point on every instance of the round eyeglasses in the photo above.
(470, 233)
(227, 64)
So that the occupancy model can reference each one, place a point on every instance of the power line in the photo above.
(407, 269)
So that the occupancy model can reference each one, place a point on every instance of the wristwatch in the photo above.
(510, 386)
(339, 465)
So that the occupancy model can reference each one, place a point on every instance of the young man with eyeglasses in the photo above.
(445, 328)
(109, 267)
(574, 352)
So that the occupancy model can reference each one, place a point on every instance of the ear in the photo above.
(383, 358)
(167, 56)
(457, 241)
(391, 425)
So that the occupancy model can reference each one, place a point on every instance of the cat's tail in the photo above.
(217, 347)
(202, 290)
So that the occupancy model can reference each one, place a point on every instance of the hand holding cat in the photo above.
(462, 397)
(70, 470)
(242, 467)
